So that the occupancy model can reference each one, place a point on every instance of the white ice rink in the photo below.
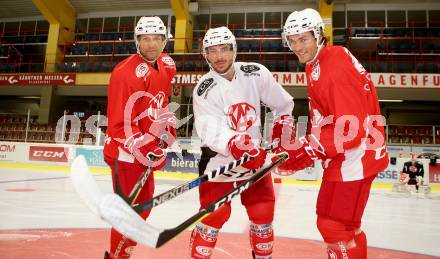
(46, 200)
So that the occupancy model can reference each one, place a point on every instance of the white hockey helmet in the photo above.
(303, 21)
(150, 25)
(219, 36)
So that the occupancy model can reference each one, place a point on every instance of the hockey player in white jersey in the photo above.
(227, 111)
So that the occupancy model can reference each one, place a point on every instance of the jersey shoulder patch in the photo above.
(248, 69)
(142, 70)
(205, 85)
(168, 61)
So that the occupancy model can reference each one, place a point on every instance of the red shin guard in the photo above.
(120, 246)
(203, 239)
(261, 238)
(354, 249)
(343, 240)
(361, 243)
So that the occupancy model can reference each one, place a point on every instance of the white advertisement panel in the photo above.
(392, 173)
(398, 151)
(426, 151)
(36, 153)
(13, 152)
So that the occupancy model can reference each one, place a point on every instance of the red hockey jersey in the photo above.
(136, 92)
(345, 116)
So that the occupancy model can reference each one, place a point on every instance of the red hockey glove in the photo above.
(303, 156)
(241, 144)
(283, 129)
(146, 150)
(171, 136)
(164, 129)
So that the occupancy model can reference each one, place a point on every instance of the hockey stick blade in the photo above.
(122, 217)
(85, 185)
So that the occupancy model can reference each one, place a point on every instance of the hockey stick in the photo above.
(178, 190)
(122, 217)
(85, 185)
(136, 190)
(87, 188)
(138, 186)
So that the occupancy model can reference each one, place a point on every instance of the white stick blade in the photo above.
(84, 183)
(115, 211)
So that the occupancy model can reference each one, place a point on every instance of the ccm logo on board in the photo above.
(7, 148)
(51, 154)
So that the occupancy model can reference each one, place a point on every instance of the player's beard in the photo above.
(150, 56)
(225, 70)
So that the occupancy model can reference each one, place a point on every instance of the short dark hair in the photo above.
(324, 39)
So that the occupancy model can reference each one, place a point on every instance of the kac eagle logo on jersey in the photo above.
(249, 70)
(155, 105)
(241, 116)
(203, 87)
(316, 71)
(163, 121)
(317, 118)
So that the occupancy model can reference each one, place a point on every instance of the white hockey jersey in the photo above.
(223, 108)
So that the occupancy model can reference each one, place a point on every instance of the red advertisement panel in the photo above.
(49, 154)
(434, 172)
(37, 79)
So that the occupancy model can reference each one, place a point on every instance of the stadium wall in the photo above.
(183, 164)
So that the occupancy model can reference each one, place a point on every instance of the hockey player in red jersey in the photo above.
(347, 134)
(227, 106)
(139, 124)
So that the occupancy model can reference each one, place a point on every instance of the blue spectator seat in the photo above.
(292, 65)
(188, 66)
(106, 67)
(238, 33)
(132, 48)
(420, 32)
(265, 46)
(280, 65)
(427, 47)
(255, 47)
(381, 46)
(275, 46)
(179, 65)
(129, 35)
(382, 67)
(107, 49)
(243, 46)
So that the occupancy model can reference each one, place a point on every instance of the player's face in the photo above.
(150, 46)
(303, 45)
(220, 57)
